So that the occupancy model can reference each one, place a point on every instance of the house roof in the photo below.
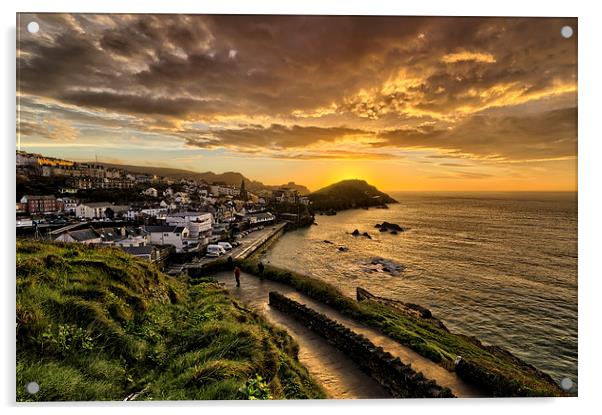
(158, 228)
(164, 229)
(120, 208)
(96, 204)
(83, 235)
(109, 234)
(44, 197)
(187, 214)
(264, 215)
(138, 250)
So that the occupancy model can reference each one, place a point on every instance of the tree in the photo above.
(109, 213)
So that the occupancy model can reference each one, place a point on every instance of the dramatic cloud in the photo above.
(275, 137)
(545, 135)
(468, 56)
(304, 87)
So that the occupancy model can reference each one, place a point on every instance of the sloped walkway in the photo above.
(339, 375)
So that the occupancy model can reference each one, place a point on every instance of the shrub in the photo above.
(255, 388)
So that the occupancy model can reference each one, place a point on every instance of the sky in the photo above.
(406, 103)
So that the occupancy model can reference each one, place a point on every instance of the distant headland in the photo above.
(348, 194)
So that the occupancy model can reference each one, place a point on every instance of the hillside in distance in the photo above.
(349, 194)
(230, 178)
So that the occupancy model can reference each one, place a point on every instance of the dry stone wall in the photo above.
(398, 378)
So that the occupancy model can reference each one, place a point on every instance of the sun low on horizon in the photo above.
(405, 103)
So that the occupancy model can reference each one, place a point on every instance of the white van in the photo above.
(226, 245)
(214, 251)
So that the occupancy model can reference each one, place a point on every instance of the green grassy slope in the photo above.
(97, 324)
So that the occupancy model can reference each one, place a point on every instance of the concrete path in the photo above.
(340, 376)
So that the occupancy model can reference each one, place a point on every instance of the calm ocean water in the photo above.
(498, 266)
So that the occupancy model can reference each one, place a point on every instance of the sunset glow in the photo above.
(404, 103)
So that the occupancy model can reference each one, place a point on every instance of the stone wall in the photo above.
(266, 243)
(398, 378)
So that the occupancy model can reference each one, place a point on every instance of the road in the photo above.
(249, 244)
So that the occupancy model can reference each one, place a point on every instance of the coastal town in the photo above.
(158, 218)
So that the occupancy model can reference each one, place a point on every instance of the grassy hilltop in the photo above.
(348, 194)
(97, 324)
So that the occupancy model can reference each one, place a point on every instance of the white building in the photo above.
(168, 235)
(132, 241)
(159, 213)
(199, 223)
(69, 204)
(217, 190)
(98, 210)
(151, 191)
(92, 210)
(111, 173)
(260, 218)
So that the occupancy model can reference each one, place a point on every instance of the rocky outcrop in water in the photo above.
(358, 233)
(378, 264)
(389, 227)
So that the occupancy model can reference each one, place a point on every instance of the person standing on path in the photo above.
(260, 268)
(237, 276)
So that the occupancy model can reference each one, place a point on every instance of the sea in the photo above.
(498, 266)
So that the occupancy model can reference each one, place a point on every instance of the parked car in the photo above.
(226, 245)
(214, 251)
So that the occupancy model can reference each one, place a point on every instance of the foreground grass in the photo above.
(492, 369)
(98, 324)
